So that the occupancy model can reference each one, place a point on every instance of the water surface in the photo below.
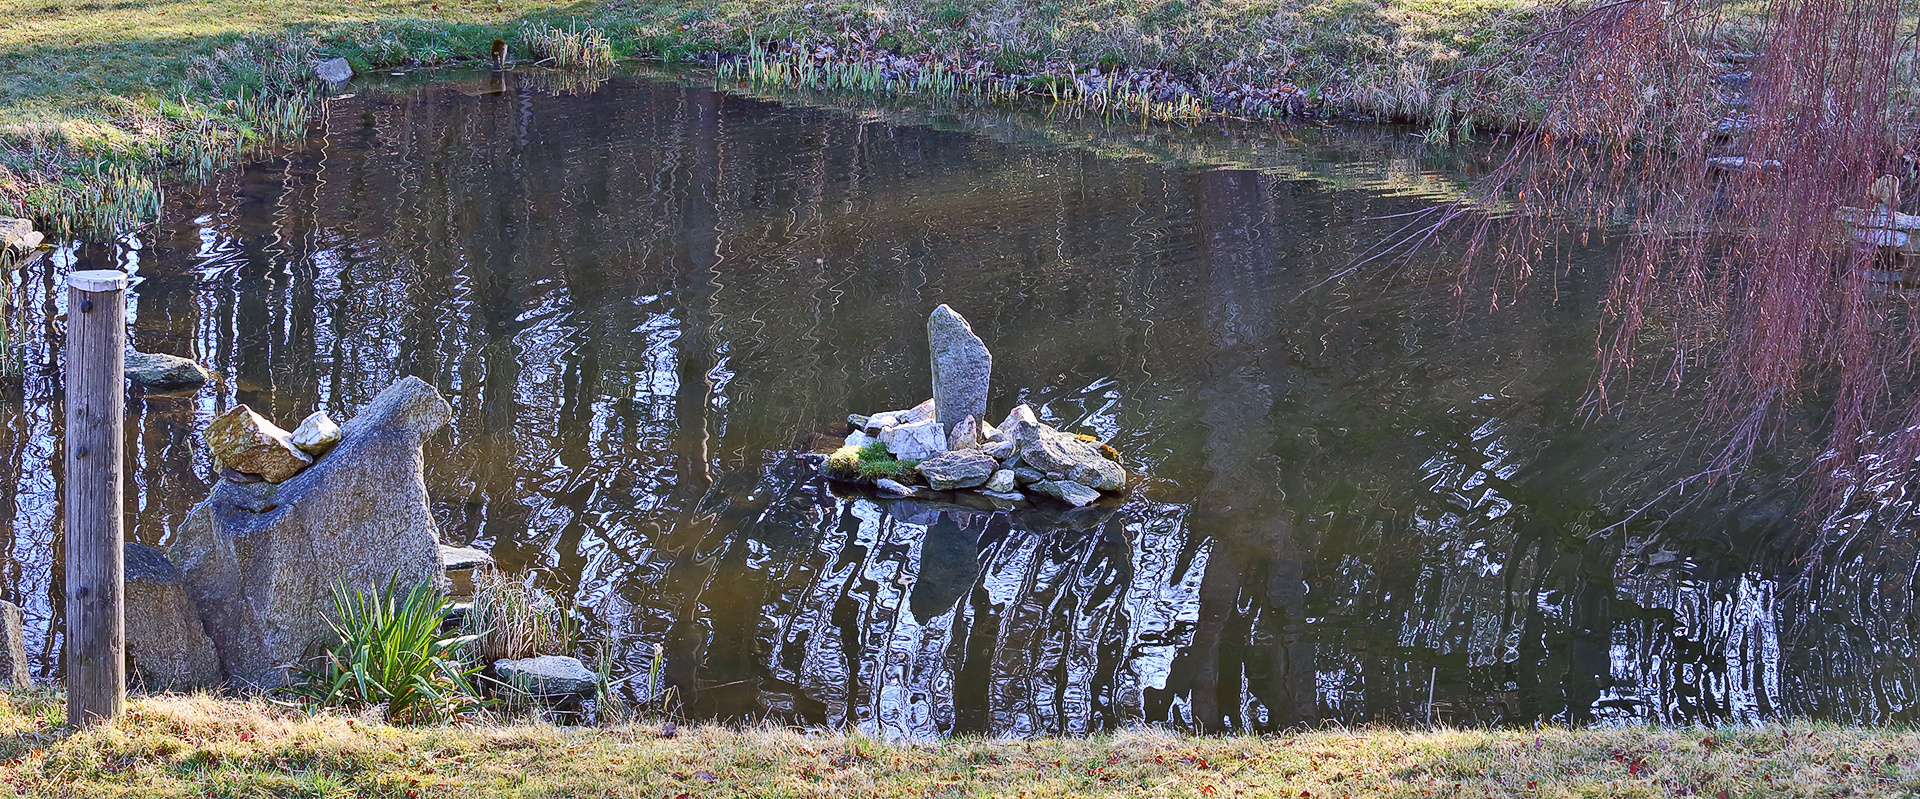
(1362, 497)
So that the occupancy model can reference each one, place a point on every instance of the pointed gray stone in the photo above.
(1067, 491)
(966, 468)
(962, 368)
(168, 645)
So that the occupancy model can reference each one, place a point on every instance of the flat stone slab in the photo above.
(547, 675)
(456, 559)
(165, 372)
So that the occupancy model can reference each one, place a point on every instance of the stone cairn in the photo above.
(944, 448)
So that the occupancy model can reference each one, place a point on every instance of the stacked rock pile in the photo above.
(946, 445)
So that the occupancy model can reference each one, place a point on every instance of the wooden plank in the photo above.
(95, 540)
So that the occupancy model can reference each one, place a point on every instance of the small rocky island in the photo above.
(944, 448)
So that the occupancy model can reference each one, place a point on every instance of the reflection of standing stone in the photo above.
(168, 646)
(962, 368)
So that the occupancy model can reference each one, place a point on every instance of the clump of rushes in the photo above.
(510, 619)
(869, 463)
(392, 654)
(571, 49)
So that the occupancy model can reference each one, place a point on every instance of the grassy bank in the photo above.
(101, 98)
(201, 746)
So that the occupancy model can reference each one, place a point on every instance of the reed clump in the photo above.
(511, 619)
(573, 48)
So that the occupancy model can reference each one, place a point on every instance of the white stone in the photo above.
(316, 434)
(333, 70)
(917, 441)
(1002, 482)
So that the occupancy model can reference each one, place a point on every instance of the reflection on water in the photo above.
(641, 301)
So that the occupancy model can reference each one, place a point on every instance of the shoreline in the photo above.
(105, 106)
(199, 745)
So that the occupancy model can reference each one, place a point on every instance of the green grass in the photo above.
(104, 99)
(389, 654)
(870, 463)
(201, 746)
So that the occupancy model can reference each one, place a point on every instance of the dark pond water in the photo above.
(642, 298)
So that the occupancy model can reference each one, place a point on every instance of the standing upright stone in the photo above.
(13, 648)
(962, 367)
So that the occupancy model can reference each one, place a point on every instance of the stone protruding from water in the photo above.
(165, 372)
(333, 70)
(245, 441)
(168, 645)
(944, 449)
(13, 648)
(962, 368)
(260, 561)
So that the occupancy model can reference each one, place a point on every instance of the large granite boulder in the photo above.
(247, 442)
(962, 368)
(261, 560)
(169, 647)
(13, 648)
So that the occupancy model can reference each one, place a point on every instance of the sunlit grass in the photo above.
(205, 746)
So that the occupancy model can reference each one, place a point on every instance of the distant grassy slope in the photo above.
(99, 98)
(200, 746)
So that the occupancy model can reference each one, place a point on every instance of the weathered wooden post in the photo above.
(96, 404)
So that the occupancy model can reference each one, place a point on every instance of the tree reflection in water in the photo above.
(640, 301)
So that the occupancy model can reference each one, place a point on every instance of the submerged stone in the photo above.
(962, 368)
(1067, 491)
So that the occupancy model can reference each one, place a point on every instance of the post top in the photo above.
(98, 280)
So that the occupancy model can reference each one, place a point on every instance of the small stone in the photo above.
(13, 648)
(965, 435)
(1067, 491)
(998, 450)
(1027, 475)
(165, 372)
(917, 441)
(962, 368)
(316, 434)
(857, 421)
(990, 433)
(1002, 481)
(14, 233)
(333, 70)
(893, 488)
(879, 422)
(547, 675)
(463, 566)
(858, 439)
(967, 468)
(1005, 496)
(246, 442)
(1056, 475)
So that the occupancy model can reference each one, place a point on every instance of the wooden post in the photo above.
(96, 565)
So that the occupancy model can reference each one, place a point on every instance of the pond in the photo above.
(1363, 497)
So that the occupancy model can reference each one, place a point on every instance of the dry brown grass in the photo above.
(205, 746)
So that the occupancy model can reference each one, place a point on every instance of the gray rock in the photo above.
(13, 648)
(967, 468)
(857, 421)
(462, 566)
(333, 70)
(917, 441)
(858, 438)
(998, 450)
(892, 487)
(879, 422)
(965, 435)
(547, 675)
(246, 442)
(169, 647)
(1067, 491)
(1005, 499)
(1003, 481)
(15, 234)
(165, 372)
(260, 561)
(316, 434)
(962, 368)
(1068, 456)
(1027, 475)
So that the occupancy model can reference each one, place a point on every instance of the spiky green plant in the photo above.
(390, 652)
